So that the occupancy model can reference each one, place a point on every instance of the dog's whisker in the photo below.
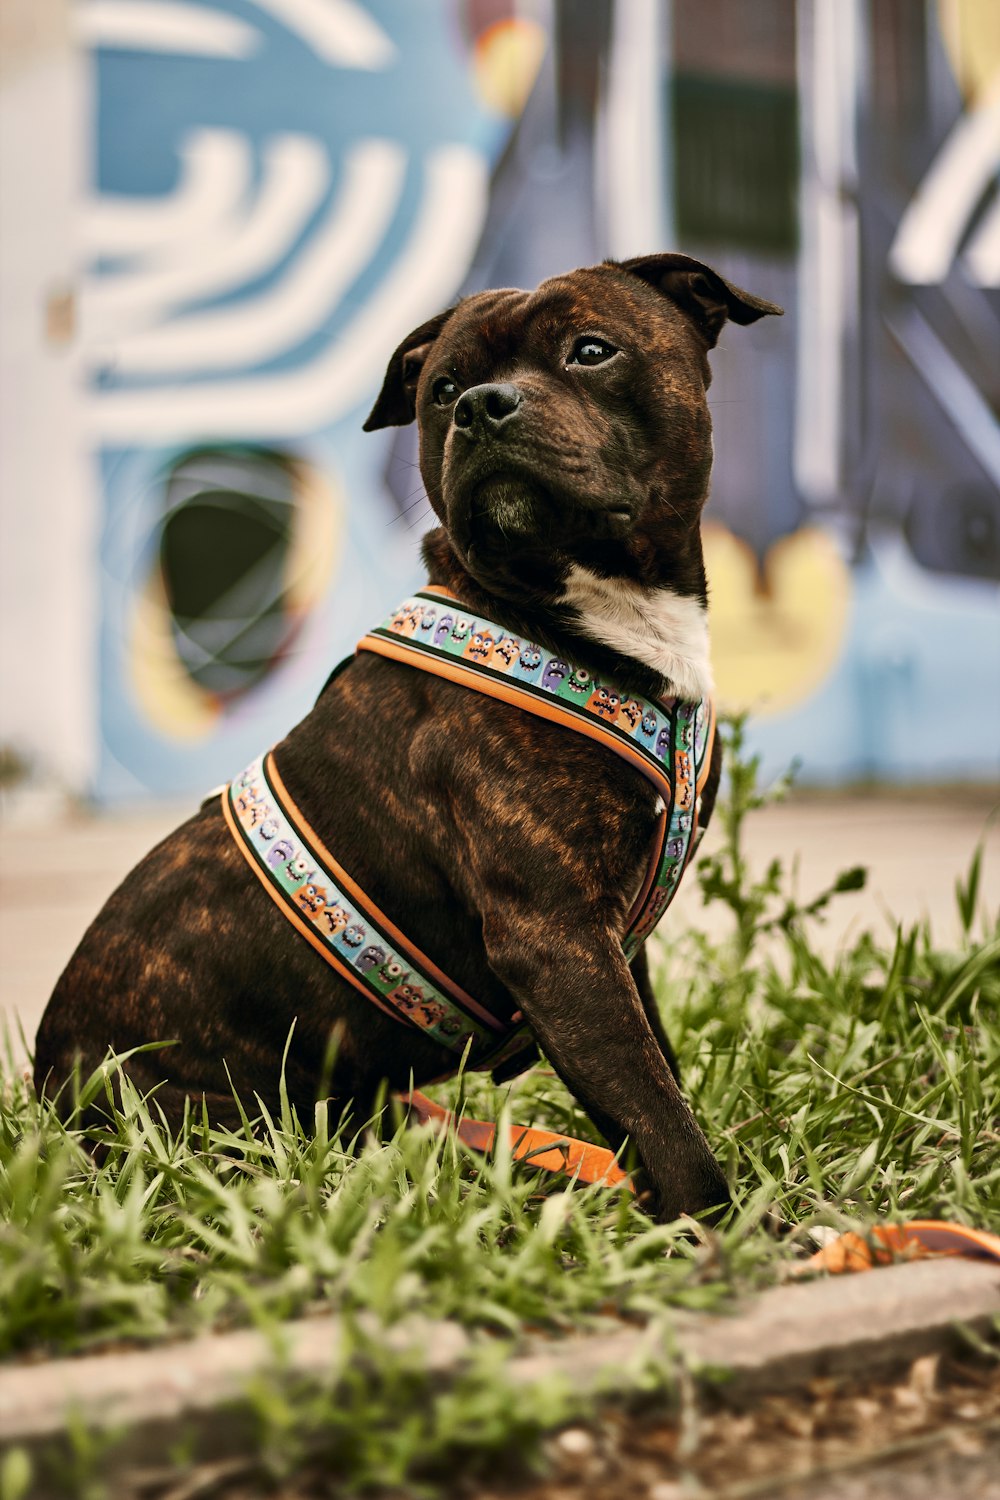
(416, 495)
(418, 519)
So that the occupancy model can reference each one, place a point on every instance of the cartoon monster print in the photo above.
(390, 974)
(700, 730)
(407, 996)
(428, 617)
(249, 797)
(579, 682)
(662, 747)
(674, 848)
(259, 813)
(480, 647)
(685, 787)
(554, 674)
(354, 935)
(246, 777)
(629, 715)
(424, 1011)
(443, 629)
(269, 829)
(406, 619)
(370, 958)
(460, 633)
(452, 1026)
(297, 869)
(648, 724)
(279, 853)
(605, 703)
(529, 664)
(295, 872)
(659, 902)
(506, 653)
(334, 918)
(411, 999)
(311, 898)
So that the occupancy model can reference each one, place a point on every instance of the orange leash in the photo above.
(917, 1240)
(920, 1239)
(555, 1153)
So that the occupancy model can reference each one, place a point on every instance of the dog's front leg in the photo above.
(643, 983)
(581, 1001)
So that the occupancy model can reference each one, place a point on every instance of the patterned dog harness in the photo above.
(669, 740)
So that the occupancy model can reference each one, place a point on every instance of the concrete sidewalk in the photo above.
(56, 873)
(195, 1391)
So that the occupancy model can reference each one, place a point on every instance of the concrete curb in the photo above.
(868, 1324)
(865, 1324)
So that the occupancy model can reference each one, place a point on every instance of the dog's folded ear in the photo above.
(396, 404)
(702, 293)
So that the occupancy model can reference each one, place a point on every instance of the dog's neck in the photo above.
(658, 627)
(648, 637)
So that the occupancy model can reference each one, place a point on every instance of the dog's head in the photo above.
(569, 424)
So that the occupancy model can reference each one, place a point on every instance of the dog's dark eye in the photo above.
(591, 351)
(444, 390)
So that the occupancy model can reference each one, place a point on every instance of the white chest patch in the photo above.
(663, 630)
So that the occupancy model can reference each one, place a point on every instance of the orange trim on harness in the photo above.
(345, 970)
(363, 900)
(492, 687)
(526, 701)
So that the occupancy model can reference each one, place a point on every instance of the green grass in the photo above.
(834, 1090)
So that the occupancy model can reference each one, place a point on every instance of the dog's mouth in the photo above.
(510, 514)
(505, 511)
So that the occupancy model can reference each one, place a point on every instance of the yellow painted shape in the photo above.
(970, 30)
(317, 535)
(168, 698)
(505, 64)
(778, 632)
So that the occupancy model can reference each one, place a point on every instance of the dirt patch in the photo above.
(933, 1435)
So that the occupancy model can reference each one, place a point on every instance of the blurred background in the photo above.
(219, 216)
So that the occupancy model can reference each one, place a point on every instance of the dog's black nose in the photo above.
(487, 407)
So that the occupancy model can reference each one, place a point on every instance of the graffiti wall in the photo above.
(856, 551)
(278, 189)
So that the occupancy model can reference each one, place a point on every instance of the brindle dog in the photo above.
(565, 445)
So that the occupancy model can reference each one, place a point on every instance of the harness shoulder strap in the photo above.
(669, 740)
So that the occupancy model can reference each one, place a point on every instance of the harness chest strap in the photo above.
(668, 740)
(344, 925)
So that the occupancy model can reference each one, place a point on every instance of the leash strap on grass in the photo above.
(917, 1240)
(544, 1148)
(920, 1239)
